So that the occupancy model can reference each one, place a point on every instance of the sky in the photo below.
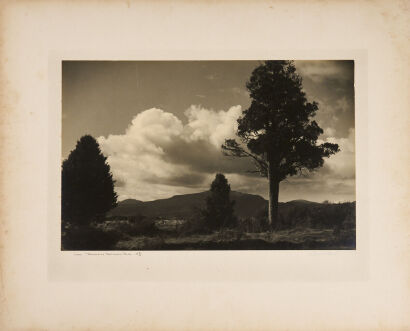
(161, 125)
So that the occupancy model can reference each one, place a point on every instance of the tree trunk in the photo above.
(273, 196)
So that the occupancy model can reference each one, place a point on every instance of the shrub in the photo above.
(194, 225)
(89, 238)
(133, 226)
(253, 224)
(139, 226)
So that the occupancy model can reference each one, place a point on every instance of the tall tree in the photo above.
(219, 207)
(277, 130)
(87, 187)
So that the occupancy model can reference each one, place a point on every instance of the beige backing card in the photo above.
(45, 288)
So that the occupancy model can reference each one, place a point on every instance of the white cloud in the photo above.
(145, 135)
(204, 124)
(342, 164)
(138, 157)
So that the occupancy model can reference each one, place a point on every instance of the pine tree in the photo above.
(87, 187)
(219, 207)
(277, 130)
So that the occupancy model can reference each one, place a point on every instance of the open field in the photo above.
(304, 225)
(230, 239)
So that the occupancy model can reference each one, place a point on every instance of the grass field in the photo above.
(314, 227)
(230, 239)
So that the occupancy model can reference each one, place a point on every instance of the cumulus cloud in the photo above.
(215, 127)
(158, 153)
(137, 155)
(342, 164)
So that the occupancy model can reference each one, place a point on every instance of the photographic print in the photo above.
(208, 155)
(225, 165)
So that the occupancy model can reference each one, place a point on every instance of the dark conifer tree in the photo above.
(219, 207)
(277, 130)
(87, 187)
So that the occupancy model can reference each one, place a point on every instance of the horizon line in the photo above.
(300, 199)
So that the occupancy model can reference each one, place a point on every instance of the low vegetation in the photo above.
(303, 226)
(89, 237)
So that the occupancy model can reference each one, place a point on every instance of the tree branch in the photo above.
(232, 148)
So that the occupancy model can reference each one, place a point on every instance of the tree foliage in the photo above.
(278, 125)
(87, 187)
(277, 130)
(219, 208)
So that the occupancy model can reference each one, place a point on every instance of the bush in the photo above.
(139, 226)
(89, 238)
(133, 226)
(317, 216)
(194, 225)
(253, 225)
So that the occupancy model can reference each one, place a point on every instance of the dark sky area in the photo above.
(161, 124)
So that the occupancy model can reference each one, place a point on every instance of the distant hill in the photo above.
(131, 202)
(246, 205)
(302, 202)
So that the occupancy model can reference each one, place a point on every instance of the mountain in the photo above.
(128, 207)
(302, 202)
(131, 202)
(246, 205)
(182, 206)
